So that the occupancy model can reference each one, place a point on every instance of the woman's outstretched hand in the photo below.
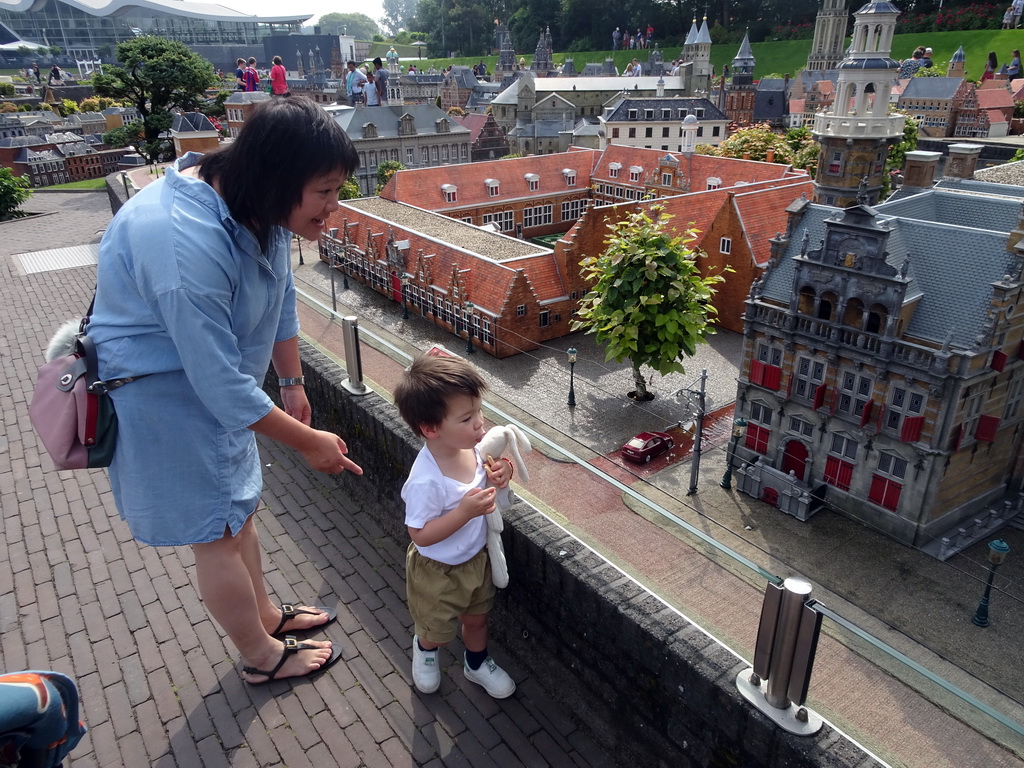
(326, 453)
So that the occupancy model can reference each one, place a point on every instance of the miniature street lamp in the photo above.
(571, 352)
(997, 552)
(405, 297)
(469, 307)
(739, 426)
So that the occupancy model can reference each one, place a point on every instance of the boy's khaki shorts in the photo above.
(439, 594)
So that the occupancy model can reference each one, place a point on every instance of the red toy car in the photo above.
(646, 446)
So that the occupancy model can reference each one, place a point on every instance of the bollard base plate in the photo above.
(355, 389)
(784, 718)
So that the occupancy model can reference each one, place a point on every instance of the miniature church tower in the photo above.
(542, 62)
(829, 34)
(956, 64)
(697, 49)
(739, 94)
(855, 135)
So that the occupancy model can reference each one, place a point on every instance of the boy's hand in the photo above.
(477, 502)
(499, 471)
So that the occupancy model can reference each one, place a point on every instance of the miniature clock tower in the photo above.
(855, 135)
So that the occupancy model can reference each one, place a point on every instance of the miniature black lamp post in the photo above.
(739, 426)
(571, 352)
(405, 297)
(469, 307)
(997, 552)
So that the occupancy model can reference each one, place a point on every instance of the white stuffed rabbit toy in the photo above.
(494, 444)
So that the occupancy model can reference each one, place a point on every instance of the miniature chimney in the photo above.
(963, 160)
(920, 167)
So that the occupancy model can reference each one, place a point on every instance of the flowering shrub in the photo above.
(976, 16)
(802, 31)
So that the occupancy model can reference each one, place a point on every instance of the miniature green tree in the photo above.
(156, 76)
(385, 171)
(14, 190)
(649, 303)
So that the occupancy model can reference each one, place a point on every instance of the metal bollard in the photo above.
(353, 359)
(787, 637)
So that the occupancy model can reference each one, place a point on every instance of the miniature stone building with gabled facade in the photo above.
(883, 371)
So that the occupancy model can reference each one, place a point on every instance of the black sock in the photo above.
(475, 658)
(425, 650)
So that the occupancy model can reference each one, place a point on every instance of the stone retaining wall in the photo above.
(654, 688)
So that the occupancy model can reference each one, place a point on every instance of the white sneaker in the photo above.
(493, 678)
(425, 672)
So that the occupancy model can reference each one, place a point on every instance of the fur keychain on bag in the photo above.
(63, 341)
(494, 444)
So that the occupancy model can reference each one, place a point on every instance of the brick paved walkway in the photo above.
(158, 679)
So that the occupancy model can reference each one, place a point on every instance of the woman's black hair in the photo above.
(277, 60)
(283, 145)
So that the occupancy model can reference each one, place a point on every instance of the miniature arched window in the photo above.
(451, 193)
(854, 315)
(533, 180)
(805, 301)
(826, 306)
(876, 319)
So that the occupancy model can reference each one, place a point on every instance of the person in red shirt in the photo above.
(278, 78)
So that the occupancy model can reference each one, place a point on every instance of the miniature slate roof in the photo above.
(189, 122)
(21, 141)
(745, 56)
(547, 85)
(704, 34)
(940, 254)
(770, 99)
(620, 112)
(387, 117)
(931, 87)
(944, 205)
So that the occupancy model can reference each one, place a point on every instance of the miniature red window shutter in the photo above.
(912, 426)
(987, 426)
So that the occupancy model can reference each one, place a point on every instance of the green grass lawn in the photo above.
(99, 183)
(790, 56)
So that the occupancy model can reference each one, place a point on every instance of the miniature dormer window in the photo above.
(648, 114)
(369, 131)
(451, 193)
(699, 112)
(634, 172)
(666, 114)
(570, 177)
(406, 126)
(714, 182)
(492, 187)
(533, 181)
(613, 170)
(683, 112)
(634, 114)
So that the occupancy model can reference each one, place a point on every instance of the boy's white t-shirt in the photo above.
(429, 494)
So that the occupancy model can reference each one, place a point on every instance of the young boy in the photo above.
(447, 571)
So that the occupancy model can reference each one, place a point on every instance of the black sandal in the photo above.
(289, 611)
(291, 645)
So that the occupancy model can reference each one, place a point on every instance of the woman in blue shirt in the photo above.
(194, 289)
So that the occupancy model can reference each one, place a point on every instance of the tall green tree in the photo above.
(649, 303)
(358, 25)
(156, 76)
(14, 190)
(399, 15)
